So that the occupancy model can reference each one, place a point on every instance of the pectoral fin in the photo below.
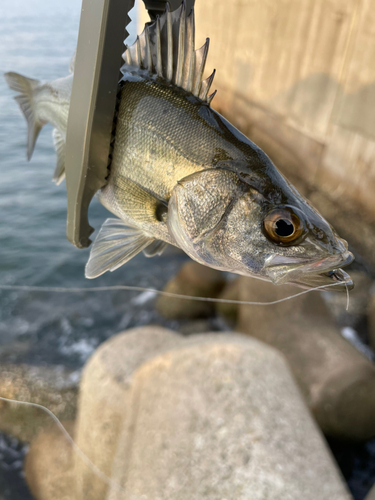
(115, 245)
(157, 247)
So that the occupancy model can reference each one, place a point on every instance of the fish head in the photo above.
(223, 222)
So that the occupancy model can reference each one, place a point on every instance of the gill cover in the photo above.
(198, 211)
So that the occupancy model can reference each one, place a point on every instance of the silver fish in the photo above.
(182, 174)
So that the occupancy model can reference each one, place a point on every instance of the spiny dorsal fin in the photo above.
(166, 49)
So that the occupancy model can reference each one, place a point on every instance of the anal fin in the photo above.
(115, 245)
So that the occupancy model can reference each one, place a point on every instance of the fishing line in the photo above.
(50, 289)
(99, 473)
(74, 445)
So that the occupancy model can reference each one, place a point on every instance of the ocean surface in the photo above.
(37, 39)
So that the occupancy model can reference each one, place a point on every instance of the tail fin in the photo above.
(26, 88)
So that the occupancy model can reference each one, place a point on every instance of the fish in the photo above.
(181, 174)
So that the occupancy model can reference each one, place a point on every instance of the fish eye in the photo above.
(283, 226)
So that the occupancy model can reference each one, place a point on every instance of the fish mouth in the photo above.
(335, 280)
(325, 273)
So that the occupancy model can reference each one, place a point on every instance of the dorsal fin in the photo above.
(166, 48)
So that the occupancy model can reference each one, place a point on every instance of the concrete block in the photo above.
(337, 381)
(49, 468)
(214, 416)
(195, 280)
(51, 387)
(105, 399)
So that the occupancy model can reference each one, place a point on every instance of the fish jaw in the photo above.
(325, 273)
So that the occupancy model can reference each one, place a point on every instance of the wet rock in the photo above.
(371, 494)
(209, 416)
(195, 280)
(49, 467)
(54, 388)
(337, 381)
(371, 321)
(230, 292)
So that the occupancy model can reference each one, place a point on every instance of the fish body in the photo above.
(182, 174)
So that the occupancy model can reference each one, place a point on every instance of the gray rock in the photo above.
(49, 467)
(195, 280)
(337, 381)
(214, 416)
(371, 494)
(51, 387)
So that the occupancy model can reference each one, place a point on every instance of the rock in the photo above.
(210, 416)
(337, 381)
(371, 494)
(49, 467)
(371, 321)
(195, 280)
(54, 388)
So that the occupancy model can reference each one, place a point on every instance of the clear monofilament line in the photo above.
(74, 445)
(50, 289)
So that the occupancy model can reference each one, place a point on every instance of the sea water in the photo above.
(37, 39)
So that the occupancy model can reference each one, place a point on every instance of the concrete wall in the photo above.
(310, 64)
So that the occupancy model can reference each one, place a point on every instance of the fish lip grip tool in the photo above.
(102, 32)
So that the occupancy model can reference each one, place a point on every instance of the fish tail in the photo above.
(27, 89)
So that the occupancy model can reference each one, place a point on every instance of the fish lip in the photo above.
(318, 273)
(294, 264)
(335, 280)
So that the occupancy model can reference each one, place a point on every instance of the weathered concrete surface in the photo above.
(195, 280)
(221, 419)
(337, 381)
(50, 387)
(49, 468)
(105, 399)
(208, 416)
(371, 494)
(298, 79)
